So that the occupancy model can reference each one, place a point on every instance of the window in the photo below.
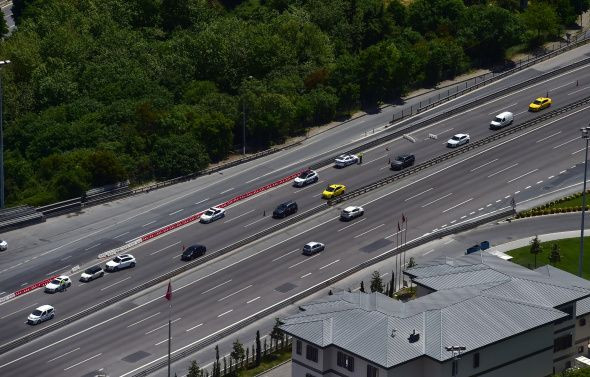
(455, 366)
(372, 371)
(345, 361)
(563, 342)
(298, 347)
(476, 360)
(583, 321)
(580, 349)
(311, 353)
(568, 364)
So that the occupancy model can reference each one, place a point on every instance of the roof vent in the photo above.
(414, 337)
(393, 333)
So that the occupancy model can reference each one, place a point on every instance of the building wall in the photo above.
(563, 359)
(422, 291)
(582, 335)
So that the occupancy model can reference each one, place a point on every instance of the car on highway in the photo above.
(3, 245)
(311, 248)
(285, 209)
(502, 120)
(120, 262)
(403, 161)
(333, 191)
(58, 284)
(344, 160)
(306, 177)
(41, 314)
(212, 214)
(351, 212)
(458, 140)
(193, 251)
(540, 104)
(92, 273)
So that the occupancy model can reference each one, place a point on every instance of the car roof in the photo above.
(44, 307)
(313, 243)
(351, 208)
(125, 256)
(405, 155)
(95, 267)
(335, 185)
(503, 114)
(459, 135)
(542, 98)
(62, 277)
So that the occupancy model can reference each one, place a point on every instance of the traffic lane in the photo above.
(174, 210)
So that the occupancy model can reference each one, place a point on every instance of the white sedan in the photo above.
(58, 284)
(3, 245)
(458, 140)
(212, 214)
(351, 212)
(120, 262)
(345, 160)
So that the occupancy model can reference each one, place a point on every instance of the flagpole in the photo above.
(395, 257)
(169, 335)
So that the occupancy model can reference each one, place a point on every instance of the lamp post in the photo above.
(585, 136)
(2, 64)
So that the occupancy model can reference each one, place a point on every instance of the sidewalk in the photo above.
(283, 370)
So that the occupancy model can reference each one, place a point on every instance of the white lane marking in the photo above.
(315, 196)
(329, 264)
(462, 217)
(83, 361)
(66, 258)
(539, 182)
(167, 247)
(454, 221)
(376, 159)
(306, 275)
(414, 196)
(60, 356)
(578, 151)
(120, 281)
(579, 90)
(448, 242)
(444, 226)
(303, 261)
(522, 112)
(23, 284)
(472, 213)
(235, 293)
(224, 313)
(457, 205)
(524, 175)
(229, 189)
(308, 187)
(254, 222)
(528, 187)
(516, 192)
(550, 177)
(194, 327)
(498, 201)
(447, 130)
(563, 172)
(489, 205)
(355, 223)
(92, 247)
(175, 212)
(162, 341)
(481, 166)
(202, 201)
(370, 230)
(436, 200)
(567, 142)
(284, 255)
(507, 196)
(561, 86)
(59, 269)
(548, 137)
(150, 223)
(145, 319)
(391, 235)
(481, 209)
(237, 217)
(161, 327)
(19, 310)
(502, 170)
(505, 107)
(121, 235)
(217, 286)
(251, 301)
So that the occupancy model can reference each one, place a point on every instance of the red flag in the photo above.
(403, 218)
(398, 228)
(169, 291)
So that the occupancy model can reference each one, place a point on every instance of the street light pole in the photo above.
(585, 136)
(2, 64)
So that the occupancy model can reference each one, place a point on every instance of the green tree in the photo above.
(194, 370)
(438, 16)
(174, 156)
(541, 19)
(237, 353)
(376, 282)
(258, 356)
(362, 288)
(554, 256)
(411, 262)
(216, 365)
(276, 334)
(580, 6)
(536, 248)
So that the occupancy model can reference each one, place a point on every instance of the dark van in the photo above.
(285, 209)
(193, 252)
(403, 161)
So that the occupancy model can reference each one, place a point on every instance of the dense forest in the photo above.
(101, 91)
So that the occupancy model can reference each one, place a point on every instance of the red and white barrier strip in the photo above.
(158, 232)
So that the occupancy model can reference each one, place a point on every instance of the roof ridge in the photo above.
(515, 301)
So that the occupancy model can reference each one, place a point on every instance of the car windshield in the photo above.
(456, 138)
(37, 312)
(117, 259)
(537, 102)
(55, 281)
(303, 175)
(209, 212)
(91, 270)
(497, 119)
(306, 247)
(330, 189)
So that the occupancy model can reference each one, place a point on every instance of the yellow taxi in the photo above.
(333, 191)
(540, 104)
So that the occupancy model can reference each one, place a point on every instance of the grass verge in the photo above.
(267, 363)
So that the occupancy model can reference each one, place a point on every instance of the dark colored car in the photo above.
(403, 161)
(284, 210)
(193, 252)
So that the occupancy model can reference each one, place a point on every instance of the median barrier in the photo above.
(38, 284)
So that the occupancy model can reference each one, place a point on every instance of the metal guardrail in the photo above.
(436, 160)
(56, 325)
(263, 313)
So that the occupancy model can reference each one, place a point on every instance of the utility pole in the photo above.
(2, 64)
(585, 136)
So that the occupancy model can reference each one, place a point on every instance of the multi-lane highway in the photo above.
(61, 243)
(534, 162)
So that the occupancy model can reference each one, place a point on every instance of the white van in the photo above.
(502, 120)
